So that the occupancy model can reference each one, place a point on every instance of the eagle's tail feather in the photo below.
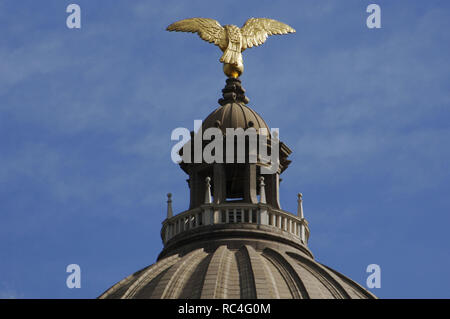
(232, 55)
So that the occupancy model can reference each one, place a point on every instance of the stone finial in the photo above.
(208, 199)
(302, 217)
(233, 92)
(300, 205)
(262, 191)
(169, 205)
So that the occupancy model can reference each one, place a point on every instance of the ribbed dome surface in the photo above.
(244, 272)
(234, 115)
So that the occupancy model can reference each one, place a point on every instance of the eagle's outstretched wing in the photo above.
(256, 30)
(208, 29)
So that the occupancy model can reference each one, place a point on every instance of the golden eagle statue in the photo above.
(231, 39)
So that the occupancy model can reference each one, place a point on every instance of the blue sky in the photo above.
(86, 117)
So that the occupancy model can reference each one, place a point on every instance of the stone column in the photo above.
(219, 182)
(272, 182)
(250, 194)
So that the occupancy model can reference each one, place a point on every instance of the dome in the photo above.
(234, 112)
(230, 271)
(237, 260)
(235, 115)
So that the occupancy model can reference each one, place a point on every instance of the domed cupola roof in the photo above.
(233, 112)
